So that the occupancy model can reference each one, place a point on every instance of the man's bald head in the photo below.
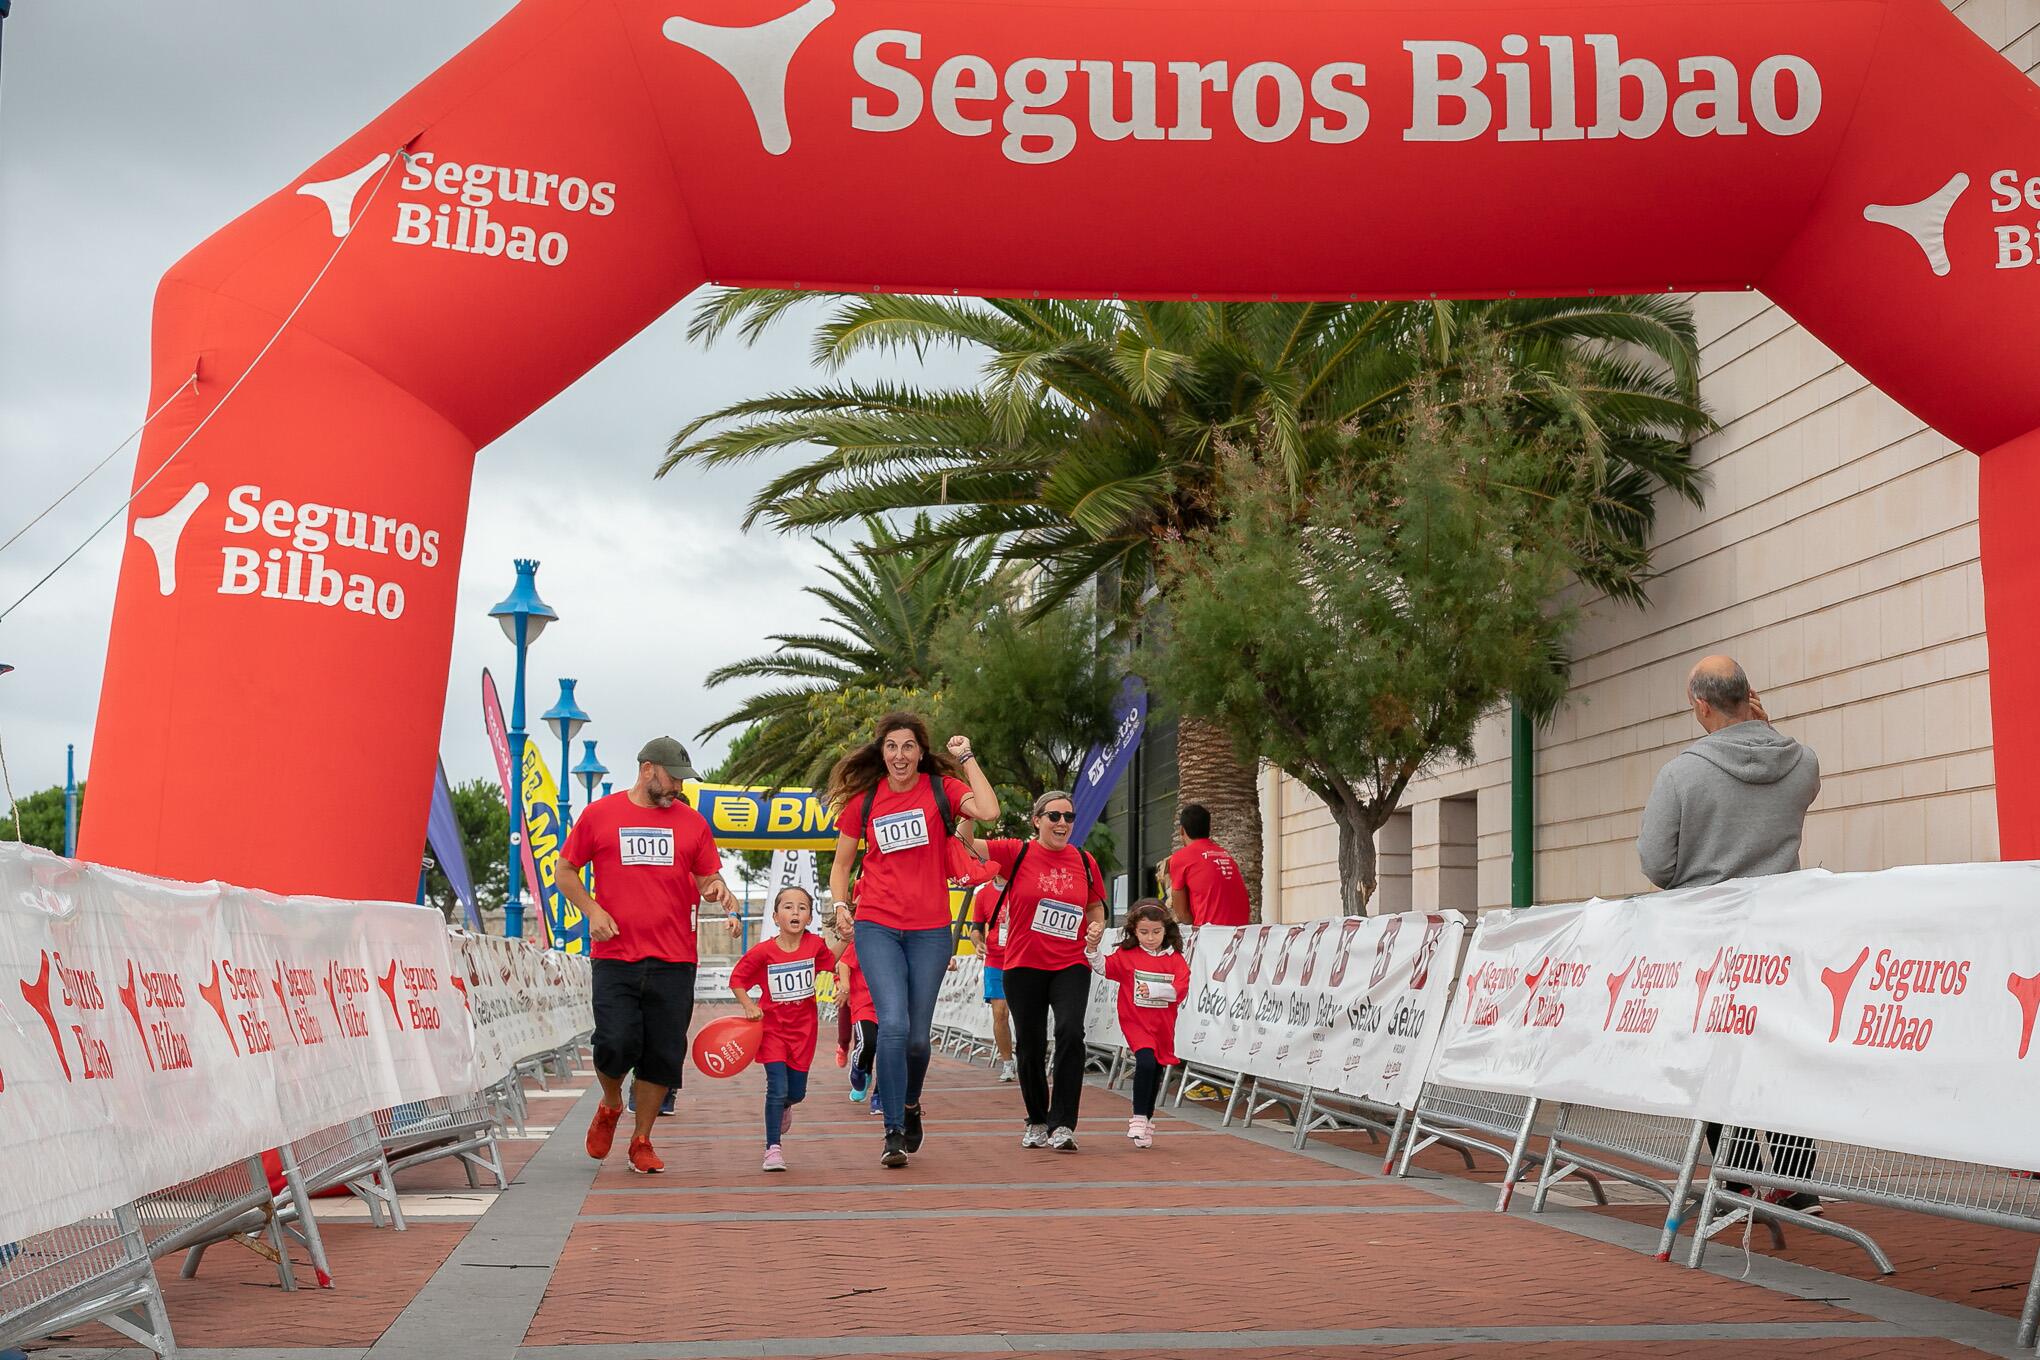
(1720, 692)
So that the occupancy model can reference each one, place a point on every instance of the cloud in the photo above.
(131, 132)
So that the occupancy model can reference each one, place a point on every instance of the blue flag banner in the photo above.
(1106, 762)
(442, 833)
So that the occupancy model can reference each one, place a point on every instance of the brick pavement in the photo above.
(1212, 1243)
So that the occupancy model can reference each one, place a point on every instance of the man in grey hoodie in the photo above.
(1733, 804)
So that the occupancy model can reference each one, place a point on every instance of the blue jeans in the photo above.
(784, 1086)
(904, 970)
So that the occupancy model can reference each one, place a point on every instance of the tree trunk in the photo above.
(1358, 873)
(1208, 772)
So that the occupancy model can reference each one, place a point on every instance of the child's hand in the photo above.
(1092, 934)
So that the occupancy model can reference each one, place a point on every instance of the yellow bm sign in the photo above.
(765, 819)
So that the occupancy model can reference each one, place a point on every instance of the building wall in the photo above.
(1835, 557)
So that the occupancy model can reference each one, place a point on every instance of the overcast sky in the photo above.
(131, 131)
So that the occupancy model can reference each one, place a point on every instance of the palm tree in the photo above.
(887, 599)
(1095, 435)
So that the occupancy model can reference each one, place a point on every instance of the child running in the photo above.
(1149, 967)
(854, 995)
(784, 968)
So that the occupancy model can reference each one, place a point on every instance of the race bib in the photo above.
(899, 831)
(645, 844)
(1057, 920)
(1153, 991)
(1005, 925)
(794, 981)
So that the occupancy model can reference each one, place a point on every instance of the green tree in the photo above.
(1395, 613)
(1092, 442)
(42, 818)
(484, 821)
(881, 611)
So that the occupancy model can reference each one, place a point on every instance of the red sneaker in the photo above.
(842, 1056)
(643, 1160)
(602, 1130)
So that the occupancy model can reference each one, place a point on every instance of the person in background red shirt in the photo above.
(784, 970)
(993, 949)
(1053, 889)
(902, 800)
(655, 859)
(854, 999)
(1153, 977)
(1206, 887)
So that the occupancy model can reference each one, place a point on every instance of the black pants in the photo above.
(1031, 993)
(1791, 1155)
(863, 1052)
(1147, 1082)
(642, 1010)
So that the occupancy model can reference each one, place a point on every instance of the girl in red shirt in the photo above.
(784, 968)
(1053, 889)
(902, 800)
(1152, 974)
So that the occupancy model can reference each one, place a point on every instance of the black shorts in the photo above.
(642, 1010)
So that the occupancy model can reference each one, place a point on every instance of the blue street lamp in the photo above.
(70, 800)
(566, 720)
(590, 770)
(523, 616)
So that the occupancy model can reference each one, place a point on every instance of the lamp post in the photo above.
(589, 772)
(70, 800)
(566, 720)
(523, 616)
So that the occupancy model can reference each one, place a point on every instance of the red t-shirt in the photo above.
(788, 982)
(646, 861)
(906, 864)
(1044, 912)
(995, 940)
(860, 991)
(1217, 889)
(1151, 988)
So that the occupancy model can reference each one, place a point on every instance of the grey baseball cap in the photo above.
(670, 756)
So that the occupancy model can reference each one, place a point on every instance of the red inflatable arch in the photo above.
(1868, 164)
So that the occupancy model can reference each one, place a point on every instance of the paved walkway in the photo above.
(1217, 1243)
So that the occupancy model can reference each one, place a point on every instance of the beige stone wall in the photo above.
(1836, 558)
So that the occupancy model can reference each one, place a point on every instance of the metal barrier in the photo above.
(231, 1203)
(1335, 1110)
(1966, 1191)
(95, 1270)
(1457, 1116)
(1266, 1094)
(1586, 1138)
(460, 1126)
(1232, 1083)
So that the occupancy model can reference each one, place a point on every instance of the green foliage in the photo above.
(484, 820)
(42, 818)
(1033, 694)
(1356, 642)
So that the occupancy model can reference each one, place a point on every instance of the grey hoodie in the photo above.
(1731, 805)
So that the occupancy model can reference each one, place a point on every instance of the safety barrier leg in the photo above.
(1303, 1118)
(1681, 1192)
(1548, 1172)
(306, 1228)
(1232, 1095)
(2029, 1316)
(1395, 1136)
(1514, 1171)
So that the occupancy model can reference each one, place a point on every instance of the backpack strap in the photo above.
(942, 807)
(1094, 877)
(1000, 905)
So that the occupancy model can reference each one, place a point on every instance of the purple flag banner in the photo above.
(1106, 763)
(442, 833)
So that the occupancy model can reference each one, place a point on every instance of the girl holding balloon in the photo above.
(784, 968)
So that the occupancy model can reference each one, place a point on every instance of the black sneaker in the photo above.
(895, 1150)
(913, 1128)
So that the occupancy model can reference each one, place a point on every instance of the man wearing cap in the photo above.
(654, 859)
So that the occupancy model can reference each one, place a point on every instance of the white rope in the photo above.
(227, 396)
(101, 463)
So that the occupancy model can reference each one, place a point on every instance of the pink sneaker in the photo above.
(774, 1159)
(1144, 1136)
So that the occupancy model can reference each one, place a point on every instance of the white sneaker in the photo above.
(1063, 1140)
(1007, 1072)
(1035, 1137)
(1133, 1128)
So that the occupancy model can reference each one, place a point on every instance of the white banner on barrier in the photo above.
(153, 1031)
(524, 1000)
(1353, 1005)
(1893, 1009)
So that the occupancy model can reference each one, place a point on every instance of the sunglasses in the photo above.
(1060, 816)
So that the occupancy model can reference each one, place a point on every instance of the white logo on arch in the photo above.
(1925, 221)
(339, 194)
(757, 58)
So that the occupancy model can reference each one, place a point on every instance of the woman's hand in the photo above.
(1092, 934)
(959, 749)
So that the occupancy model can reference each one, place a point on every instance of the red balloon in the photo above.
(725, 1047)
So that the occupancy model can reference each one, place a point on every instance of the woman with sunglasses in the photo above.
(1053, 892)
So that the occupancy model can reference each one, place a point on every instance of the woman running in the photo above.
(1054, 891)
(902, 800)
